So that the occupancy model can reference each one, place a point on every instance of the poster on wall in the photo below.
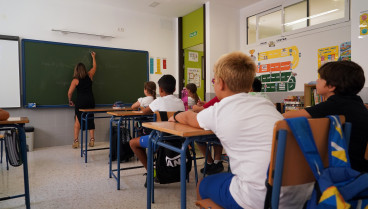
(327, 54)
(193, 56)
(345, 51)
(275, 69)
(194, 76)
(152, 65)
(363, 24)
(164, 64)
(158, 66)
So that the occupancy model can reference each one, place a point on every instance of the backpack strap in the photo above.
(303, 135)
(338, 156)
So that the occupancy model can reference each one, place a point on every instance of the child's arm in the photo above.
(147, 110)
(188, 118)
(136, 105)
(297, 113)
(197, 108)
(72, 87)
(92, 72)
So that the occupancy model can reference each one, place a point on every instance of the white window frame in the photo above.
(297, 31)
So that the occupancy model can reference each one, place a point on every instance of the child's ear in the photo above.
(221, 83)
(331, 88)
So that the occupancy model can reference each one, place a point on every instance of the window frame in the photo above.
(287, 3)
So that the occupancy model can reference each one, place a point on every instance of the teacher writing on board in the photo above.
(82, 81)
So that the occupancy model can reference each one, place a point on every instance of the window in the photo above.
(292, 17)
(252, 29)
(295, 16)
(321, 11)
(270, 25)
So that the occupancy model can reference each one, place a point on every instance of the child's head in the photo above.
(346, 76)
(192, 90)
(167, 83)
(237, 70)
(150, 88)
(80, 71)
(257, 85)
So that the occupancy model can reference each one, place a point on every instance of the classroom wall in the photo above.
(35, 19)
(222, 26)
(308, 43)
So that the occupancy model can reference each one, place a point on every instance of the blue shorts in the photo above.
(143, 142)
(216, 187)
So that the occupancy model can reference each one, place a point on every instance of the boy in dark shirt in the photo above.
(339, 83)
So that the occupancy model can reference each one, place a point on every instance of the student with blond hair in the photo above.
(244, 124)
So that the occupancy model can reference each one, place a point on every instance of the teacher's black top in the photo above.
(356, 113)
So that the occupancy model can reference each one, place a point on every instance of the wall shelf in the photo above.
(81, 33)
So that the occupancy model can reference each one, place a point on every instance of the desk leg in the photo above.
(86, 138)
(118, 153)
(22, 136)
(150, 168)
(183, 168)
(81, 132)
(110, 166)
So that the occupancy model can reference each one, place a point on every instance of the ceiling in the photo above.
(169, 8)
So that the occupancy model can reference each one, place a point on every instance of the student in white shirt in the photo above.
(166, 102)
(150, 92)
(244, 124)
(193, 97)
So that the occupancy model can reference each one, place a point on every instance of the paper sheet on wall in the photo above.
(193, 56)
(327, 54)
(194, 76)
(158, 66)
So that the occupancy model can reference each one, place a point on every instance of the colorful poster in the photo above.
(158, 64)
(152, 65)
(363, 26)
(193, 56)
(345, 51)
(327, 54)
(164, 63)
(194, 76)
(275, 70)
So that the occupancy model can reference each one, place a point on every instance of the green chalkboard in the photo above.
(48, 70)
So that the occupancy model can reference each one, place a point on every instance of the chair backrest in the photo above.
(163, 115)
(296, 169)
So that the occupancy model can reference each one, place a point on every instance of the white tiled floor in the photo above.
(59, 178)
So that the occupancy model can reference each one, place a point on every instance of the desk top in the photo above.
(14, 120)
(109, 109)
(127, 113)
(177, 129)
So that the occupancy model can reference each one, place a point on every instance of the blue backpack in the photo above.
(338, 186)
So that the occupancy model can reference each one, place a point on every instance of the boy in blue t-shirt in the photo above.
(339, 84)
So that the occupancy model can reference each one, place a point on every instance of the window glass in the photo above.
(269, 25)
(252, 29)
(295, 16)
(321, 11)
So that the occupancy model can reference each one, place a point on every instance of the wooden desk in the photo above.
(126, 116)
(177, 129)
(18, 122)
(89, 114)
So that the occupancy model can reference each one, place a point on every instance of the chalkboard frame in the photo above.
(23, 73)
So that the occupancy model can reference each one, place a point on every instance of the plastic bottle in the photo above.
(184, 98)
